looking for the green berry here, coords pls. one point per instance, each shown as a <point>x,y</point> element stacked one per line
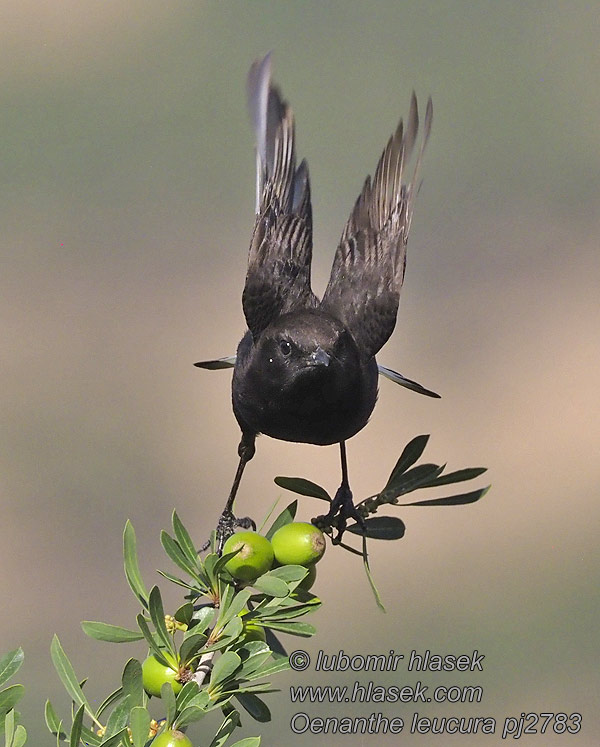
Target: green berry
<point>155,674</point>
<point>298,543</point>
<point>171,738</point>
<point>254,558</point>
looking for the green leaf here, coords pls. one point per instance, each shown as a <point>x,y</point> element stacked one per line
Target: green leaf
<point>111,633</point>
<point>190,647</point>
<point>370,576</point>
<point>303,487</point>
<point>285,517</point>
<point>271,585</point>
<point>381,527</point>
<point>177,556</point>
<point>116,740</point>
<point>248,742</point>
<point>204,618</point>
<point>453,500</point>
<point>139,722</point>
<point>255,706</point>
<point>185,613</point>
<point>132,568</point>
<point>184,539</point>
<point>157,615</point>
<point>9,727</point>
<point>52,721</point>
<point>10,663</point>
<point>118,718</point>
<point>167,695</point>
<point>234,607</point>
<point>76,728</point>
<point>155,649</point>
<point>295,628</point>
<point>187,694</point>
<point>289,573</point>
<point>412,452</point>
<point>20,736</point>
<point>179,581</point>
<point>460,475</point>
<point>9,697</point>
<point>89,737</point>
<point>280,663</point>
<point>224,668</point>
<point>411,480</point>
<point>65,671</point>
<point>132,683</point>
<point>231,722</point>
<point>114,697</point>
<point>190,715</point>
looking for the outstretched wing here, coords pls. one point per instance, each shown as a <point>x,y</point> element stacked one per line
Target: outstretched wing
<point>368,268</point>
<point>278,276</point>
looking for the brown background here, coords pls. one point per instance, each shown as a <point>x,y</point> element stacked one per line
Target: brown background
<point>127,193</point>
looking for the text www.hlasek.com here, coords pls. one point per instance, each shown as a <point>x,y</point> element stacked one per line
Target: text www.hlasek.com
<point>371,693</point>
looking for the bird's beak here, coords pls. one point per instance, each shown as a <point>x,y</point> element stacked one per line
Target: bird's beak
<point>319,357</point>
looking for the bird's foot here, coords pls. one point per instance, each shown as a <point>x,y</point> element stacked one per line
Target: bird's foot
<point>342,508</point>
<point>226,526</point>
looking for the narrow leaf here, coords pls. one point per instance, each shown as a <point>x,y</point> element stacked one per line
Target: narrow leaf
<point>303,487</point>
<point>157,615</point>
<point>132,683</point>
<point>9,697</point>
<point>255,706</point>
<point>76,728</point>
<point>453,500</point>
<point>67,675</point>
<point>118,718</point>
<point>285,517</point>
<point>231,722</point>
<point>460,475</point>
<point>20,736</point>
<point>10,664</point>
<point>110,700</point>
<point>116,740</point>
<point>412,451</point>
<point>295,628</point>
<point>248,742</point>
<point>176,554</point>
<point>411,480</point>
<point>370,576</point>
<point>167,695</point>
<point>271,585</point>
<point>139,722</point>
<point>224,668</point>
<point>152,644</point>
<point>111,633</point>
<point>185,541</point>
<point>381,527</point>
<point>52,721</point>
<point>132,568</point>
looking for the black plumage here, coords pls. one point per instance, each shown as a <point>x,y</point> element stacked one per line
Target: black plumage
<point>305,370</point>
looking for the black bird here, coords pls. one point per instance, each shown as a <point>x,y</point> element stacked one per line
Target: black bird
<point>305,370</point>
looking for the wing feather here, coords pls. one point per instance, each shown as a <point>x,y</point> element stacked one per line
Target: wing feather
<point>368,267</point>
<point>279,260</point>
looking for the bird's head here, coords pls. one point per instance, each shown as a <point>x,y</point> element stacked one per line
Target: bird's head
<point>304,349</point>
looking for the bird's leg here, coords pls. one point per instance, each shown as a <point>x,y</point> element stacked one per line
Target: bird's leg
<point>227,521</point>
<point>342,507</point>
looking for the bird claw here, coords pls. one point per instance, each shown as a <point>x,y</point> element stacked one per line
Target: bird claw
<point>227,525</point>
<point>342,509</point>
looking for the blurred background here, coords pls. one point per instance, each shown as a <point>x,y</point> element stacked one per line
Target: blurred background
<point>127,197</point>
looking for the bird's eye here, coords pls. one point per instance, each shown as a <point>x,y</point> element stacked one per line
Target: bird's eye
<point>285,347</point>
